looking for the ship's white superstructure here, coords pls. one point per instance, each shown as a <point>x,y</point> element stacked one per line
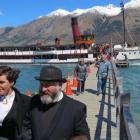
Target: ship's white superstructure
<point>128,53</point>
<point>65,55</point>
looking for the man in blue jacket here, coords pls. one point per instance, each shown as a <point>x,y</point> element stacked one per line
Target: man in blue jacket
<point>104,70</point>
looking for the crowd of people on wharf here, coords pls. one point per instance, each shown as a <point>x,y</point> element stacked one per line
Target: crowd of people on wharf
<point>104,69</point>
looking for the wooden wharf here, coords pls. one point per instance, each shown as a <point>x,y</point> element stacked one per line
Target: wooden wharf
<point>108,115</point>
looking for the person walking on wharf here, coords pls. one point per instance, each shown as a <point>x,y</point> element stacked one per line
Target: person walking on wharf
<point>104,70</point>
<point>52,114</point>
<point>13,105</point>
<point>81,73</point>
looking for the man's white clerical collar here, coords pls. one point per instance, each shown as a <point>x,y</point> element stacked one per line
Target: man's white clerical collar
<point>58,97</point>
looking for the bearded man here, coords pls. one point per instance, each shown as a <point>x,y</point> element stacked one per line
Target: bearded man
<point>53,115</point>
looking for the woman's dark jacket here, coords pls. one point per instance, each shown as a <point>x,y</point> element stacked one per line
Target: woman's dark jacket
<point>12,123</point>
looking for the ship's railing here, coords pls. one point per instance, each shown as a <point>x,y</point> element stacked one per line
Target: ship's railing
<point>124,119</point>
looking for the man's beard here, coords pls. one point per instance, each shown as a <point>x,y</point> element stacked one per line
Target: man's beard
<point>46,98</point>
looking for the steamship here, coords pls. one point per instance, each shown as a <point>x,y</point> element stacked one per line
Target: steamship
<point>45,54</point>
<point>38,53</point>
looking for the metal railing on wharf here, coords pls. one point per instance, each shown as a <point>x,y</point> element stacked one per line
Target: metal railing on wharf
<point>125,122</point>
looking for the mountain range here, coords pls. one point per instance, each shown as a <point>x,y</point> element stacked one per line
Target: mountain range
<point>105,22</point>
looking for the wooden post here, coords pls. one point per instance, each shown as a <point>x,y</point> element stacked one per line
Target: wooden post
<point>119,85</point>
<point>124,101</point>
<point>119,92</point>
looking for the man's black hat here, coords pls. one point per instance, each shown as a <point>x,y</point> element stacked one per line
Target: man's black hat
<point>51,74</point>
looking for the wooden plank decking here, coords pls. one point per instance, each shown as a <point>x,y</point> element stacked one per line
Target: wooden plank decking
<point>101,112</point>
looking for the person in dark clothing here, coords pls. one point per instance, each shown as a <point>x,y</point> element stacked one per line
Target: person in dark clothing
<point>81,74</point>
<point>53,115</point>
<point>13,105</point>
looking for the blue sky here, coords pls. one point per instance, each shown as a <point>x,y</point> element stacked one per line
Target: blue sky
<point>18,12</point>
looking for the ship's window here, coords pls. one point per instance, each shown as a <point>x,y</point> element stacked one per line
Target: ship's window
<point>129,53</point>
<point>134,52</point>
<point>122,53</point>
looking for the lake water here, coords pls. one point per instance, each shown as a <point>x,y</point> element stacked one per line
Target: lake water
<point>131,80</point>
<point>26,78</point>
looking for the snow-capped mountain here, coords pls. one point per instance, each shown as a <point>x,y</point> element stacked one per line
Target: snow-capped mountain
<point>109,10</point>
<point>104,21</point>
<point>79,11</point>
<point>59,12</point>
<point>133,4</point>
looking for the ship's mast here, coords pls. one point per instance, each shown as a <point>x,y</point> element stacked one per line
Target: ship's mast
<point>123,12</point>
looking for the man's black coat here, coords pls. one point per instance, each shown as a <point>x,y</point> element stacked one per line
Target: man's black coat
<point>66,120</point>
